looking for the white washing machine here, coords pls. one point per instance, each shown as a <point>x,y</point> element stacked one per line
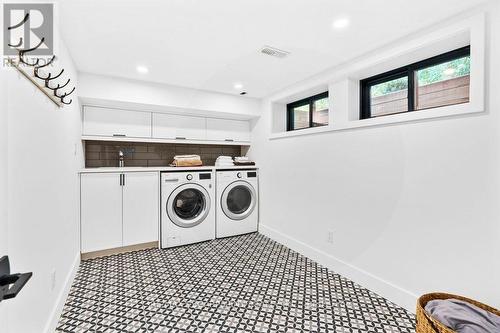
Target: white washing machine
<point>237,202</point>
<point>188,207</point>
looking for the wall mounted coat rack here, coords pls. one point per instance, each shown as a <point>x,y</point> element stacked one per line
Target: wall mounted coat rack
<point>45,83</point>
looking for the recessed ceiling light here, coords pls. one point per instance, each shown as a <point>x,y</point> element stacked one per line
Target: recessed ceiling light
<point>238,86</point>
<point>341,23</point>
<point>142,69</point>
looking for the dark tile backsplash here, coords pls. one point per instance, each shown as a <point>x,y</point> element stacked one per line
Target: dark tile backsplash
<point>105,153</point>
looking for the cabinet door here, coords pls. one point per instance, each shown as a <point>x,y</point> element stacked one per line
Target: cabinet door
<point>101,211</point>
<point>115,122</point>
<point>171,126</point>
<point>228,130</point>
<point>141,206</point>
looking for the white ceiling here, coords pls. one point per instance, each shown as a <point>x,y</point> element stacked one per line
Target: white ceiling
<point>212,44</point>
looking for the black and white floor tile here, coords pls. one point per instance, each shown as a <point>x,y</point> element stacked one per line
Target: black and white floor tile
<point>241,284</point>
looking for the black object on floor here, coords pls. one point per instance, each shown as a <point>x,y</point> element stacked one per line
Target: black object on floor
<point>248,283</point>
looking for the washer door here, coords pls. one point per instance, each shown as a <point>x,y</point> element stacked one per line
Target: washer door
<point>238,200</point>
<point>188,205</point>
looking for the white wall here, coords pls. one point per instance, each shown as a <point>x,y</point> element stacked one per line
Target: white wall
<point>44,154</point>
<point>3,185</point>
<point>414,207</point>
<point>154,96</point>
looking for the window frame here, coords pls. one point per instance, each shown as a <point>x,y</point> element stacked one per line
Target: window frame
<point>405,71</point>
<point>305,101</point>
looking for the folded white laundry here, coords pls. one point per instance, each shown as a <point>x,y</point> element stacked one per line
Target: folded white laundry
<point>224,158</point>
<point>242,159</point>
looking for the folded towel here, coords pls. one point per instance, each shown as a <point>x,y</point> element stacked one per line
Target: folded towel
<point>224,158</point>
<point>186,163</point>
<point>187,160</point>
<point>244,163</point>
<point>463,317</point>
<point>179,157</point>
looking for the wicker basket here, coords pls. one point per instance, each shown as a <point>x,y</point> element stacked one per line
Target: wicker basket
<point>427,324</point>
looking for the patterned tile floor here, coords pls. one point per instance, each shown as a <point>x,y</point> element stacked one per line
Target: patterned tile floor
<point>241,284</point>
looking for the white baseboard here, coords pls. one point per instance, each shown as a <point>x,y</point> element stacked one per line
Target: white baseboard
<point>393,293</point>
<point>51,325</point>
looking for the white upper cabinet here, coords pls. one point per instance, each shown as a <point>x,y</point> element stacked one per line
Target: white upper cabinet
<point>118,123</point>
<point>228,129</point>
<point>114,122</point>
<point>172,126</point>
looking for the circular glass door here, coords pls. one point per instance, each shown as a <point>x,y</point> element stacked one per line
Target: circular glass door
<point>188,205</point>
<point>238,200</point>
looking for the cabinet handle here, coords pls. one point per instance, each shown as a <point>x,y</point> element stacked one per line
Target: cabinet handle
<point>123,182</point>
<point>121,179</point>
<point>229,140</point>
<point>180,138</point>
<point>122,135</point>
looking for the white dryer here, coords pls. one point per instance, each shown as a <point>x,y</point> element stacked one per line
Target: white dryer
<point>237,202</point>
<point>188,207</point>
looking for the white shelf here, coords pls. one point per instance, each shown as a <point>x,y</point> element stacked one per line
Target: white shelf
<point>154,140</point>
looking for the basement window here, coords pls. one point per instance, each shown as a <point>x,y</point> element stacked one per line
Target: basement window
<point>438,81</point>
<point>308,112</point>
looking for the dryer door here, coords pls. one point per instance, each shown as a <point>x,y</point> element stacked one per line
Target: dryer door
<point>238,200</point>
<point>188,205</point>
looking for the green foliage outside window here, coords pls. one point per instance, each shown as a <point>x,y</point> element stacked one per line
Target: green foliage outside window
<point>446,71</point>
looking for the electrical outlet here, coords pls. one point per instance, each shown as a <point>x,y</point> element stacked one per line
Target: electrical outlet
<point>330,237</point>
<point>53,280</point>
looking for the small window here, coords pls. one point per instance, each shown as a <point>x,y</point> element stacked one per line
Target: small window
<point>438,81</point>
<point>308,112</point>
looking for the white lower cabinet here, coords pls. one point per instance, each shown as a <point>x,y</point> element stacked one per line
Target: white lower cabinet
<point>118,209</point>
<point>140,207</point>
<point>101,211</point>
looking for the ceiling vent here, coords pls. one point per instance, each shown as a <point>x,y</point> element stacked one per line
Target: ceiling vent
<point>274,52</point>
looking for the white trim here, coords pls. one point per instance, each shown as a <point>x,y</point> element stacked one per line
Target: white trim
<point>166,169</point>
<point>140,107</point>
<point>386,289</point>
<point>414,116</point>
<point>53,320</point>
<point>151,140</point>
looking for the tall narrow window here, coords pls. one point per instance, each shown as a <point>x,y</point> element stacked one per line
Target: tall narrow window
<point>438,81</point>
<point>308,112</point>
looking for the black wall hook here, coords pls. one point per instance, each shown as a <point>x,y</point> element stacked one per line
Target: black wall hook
<point>23,21</point>
<point>11,284</point>
<point>18,44</point>
<point>54,96</point>
<point>22,52</point>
